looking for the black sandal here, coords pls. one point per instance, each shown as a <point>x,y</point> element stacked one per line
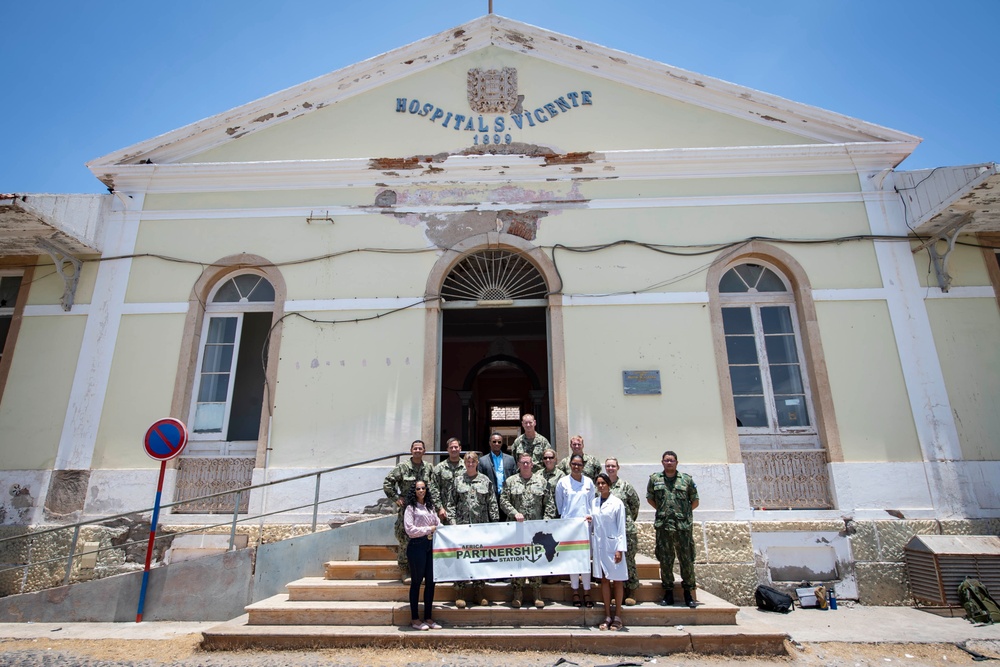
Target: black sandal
<point>587,602</point>
<point>576,598</point>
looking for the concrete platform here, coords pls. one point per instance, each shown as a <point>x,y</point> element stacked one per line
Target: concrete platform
<point>633,640</point>
<point>361,588</point>
<point>280,610</point>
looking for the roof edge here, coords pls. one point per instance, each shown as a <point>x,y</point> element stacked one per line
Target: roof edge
<point>594,59</point>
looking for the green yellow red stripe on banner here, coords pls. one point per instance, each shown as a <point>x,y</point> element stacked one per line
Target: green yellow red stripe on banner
<point>511,549</point>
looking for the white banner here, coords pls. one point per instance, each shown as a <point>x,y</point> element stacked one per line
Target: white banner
<point>511,549</point>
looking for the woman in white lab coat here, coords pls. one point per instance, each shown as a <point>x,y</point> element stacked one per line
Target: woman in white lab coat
<point>574,500</point>
<point>608,521</point>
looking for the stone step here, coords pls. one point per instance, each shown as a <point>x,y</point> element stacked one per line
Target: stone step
<point>376,552</point>
<point>636,640</point>
<point>386,568</point>
<point>319,588</point>
<point>355,569</point>
<point>279,610</point>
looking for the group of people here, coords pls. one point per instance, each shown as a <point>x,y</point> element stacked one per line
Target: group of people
<point>529,485</point>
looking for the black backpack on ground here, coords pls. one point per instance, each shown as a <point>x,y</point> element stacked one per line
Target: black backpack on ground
<point>769,599</point>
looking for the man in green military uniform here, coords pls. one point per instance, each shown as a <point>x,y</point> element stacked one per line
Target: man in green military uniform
<point>397,486</point>
<point>591,466</point>
<point>530,442</point>
<point>551,473</point>
<point>674,496</point>
<point>473,500</point>
<point>443,476</point>
<point>526,497</point>
<point>626,493</point>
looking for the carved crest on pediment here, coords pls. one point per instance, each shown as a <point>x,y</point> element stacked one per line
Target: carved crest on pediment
<point>493,90</point>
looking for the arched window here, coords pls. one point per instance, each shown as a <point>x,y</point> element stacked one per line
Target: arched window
<point>780,421</point>
<point>494,275</point>
<point>771,395</point>
<point>226,378</point>
<point>230,378</point>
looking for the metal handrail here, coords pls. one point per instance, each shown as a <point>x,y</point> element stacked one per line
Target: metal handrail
<point>236,518</point>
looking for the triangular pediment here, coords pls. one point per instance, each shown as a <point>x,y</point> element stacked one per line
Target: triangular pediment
<point>574,96</point>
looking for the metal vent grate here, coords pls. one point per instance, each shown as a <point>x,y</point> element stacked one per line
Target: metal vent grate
<point>937,564</point>
<point>494,275</point>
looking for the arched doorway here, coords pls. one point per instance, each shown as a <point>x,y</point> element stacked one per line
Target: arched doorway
<point>495,355</point>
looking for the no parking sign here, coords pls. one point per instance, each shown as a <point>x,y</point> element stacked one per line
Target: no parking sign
<point>165,439</point>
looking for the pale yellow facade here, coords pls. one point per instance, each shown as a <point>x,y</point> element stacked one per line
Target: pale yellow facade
<point>31,419</point>
<point>867,383</point>
<point>602,342</point>
<point>967,337</point>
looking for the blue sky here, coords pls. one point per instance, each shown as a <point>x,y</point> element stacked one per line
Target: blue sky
<point>84,78</point>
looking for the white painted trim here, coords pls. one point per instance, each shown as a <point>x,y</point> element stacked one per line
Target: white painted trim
<point>669,163</point>
<point>877,485</point>
<point>314,305</point>
<point>594,204</point>
<point>627,299</point>
<point>53,310</point>
<point>634,299</point>
<point>126,309</point>
<point>968,292</point>
<point>93,369</point>
<point>850,294</point>
<point>918,356</point>
<point>180,308</point>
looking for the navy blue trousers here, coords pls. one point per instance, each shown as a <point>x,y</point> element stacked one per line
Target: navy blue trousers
<point>419,552</point>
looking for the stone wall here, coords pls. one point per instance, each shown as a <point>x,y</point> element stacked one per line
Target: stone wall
<point>726,563</point>
<point>121,544</point>
<point>727,566</point>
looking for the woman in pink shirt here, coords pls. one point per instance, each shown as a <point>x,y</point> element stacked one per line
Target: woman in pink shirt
<point>420,521</point>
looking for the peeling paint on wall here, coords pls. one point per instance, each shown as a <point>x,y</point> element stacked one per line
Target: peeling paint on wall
<point>20,506</point>
<point>473,196</point>
<point>412,162</point>
<point>67,492</point>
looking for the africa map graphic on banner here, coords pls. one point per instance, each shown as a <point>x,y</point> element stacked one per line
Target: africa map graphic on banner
<point>511,549</point>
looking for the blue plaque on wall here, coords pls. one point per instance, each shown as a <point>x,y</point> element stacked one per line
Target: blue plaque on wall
<point>637,383</point>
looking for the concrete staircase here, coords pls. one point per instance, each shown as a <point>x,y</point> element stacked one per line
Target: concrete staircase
<point>363,603</point>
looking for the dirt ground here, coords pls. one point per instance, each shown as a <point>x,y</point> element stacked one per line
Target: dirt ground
<point>185,652</point>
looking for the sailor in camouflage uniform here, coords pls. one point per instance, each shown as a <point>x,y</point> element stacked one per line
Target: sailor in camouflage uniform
<point>531,442</point>
<point>591,466</point>
<point>626,493</point>
<point>674,496</point>
<point>551,473</point>
<point>397,486</point>
<point>526,497</point>
<point>443,476</point>
<point>473,500</point>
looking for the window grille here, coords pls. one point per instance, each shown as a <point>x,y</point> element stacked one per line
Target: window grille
<point>494,275</point>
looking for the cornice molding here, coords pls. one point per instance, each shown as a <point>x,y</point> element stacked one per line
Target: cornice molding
<point>798,160</point>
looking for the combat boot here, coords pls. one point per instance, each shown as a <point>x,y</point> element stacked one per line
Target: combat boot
<point>539,602</point>
<point>688,600</point>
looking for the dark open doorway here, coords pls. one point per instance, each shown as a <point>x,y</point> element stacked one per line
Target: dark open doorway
<point>494,369</point>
